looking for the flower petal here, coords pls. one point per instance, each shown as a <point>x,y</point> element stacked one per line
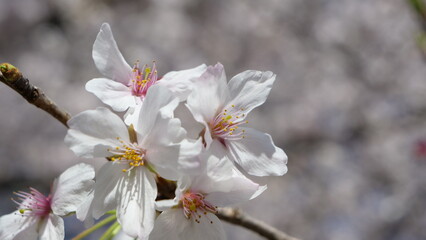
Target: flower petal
<point>208,228</point>
<point>181,82</point>
<point>172,224</point>
<point>106,187</point>
<point>52,228</point>
<point>209,94</point>
<point>14,224</point>
<point>92,132</point>
<point>108,58</point>
<point>136,202</point>
<point>248,90</point>
<point>257,154</point>
<point>159,101</point>
<point>71,188</point>
<point>114,94</point>
<point>223,183</point>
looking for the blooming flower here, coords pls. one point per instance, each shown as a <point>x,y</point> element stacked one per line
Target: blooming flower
<point>125,87</point>
<point>38,216</point>
<point>222,109</point>
<point>127,182</point>
<point>191,215</point>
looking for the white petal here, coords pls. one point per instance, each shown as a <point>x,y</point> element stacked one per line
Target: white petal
<point>189,162</point>
<point>248,90</point>
<point>172,224</point>
<point>14,224</point>
<point>209,228</point>
<point>169,225</point>
<point>136,202</point>
<point>181,82</point>
<point>159,101</point>
<point>108,58</point>
<point>209,94</point>
<point>84,211</point>
<point>223,183</point>
<point>92,132</point>
<point>164,205</point>
<point>165,131</point>
<point>257,154</point>
<point>165,160</point>
<point>132,114</point>
<point>107,180</point>
<point>122,236</point>
<point>114,94</point>
<point>71,188</point>
<point>52,228</point>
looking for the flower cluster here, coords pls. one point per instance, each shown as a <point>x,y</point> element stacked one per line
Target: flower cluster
<point>149,145</point>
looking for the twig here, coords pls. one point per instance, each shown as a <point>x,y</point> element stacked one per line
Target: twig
<point>12,77</point>
<point>236,217</point>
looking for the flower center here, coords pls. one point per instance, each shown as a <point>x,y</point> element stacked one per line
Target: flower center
<point>33,203</point>
<point>142,79</point>
<point>225,124</point>
<point>194,204</point>
<point>128,153</point>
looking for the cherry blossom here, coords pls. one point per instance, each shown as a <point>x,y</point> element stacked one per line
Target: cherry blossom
<point>191,215</point>
<point>125,87</point>
<point>223,107</point>
<point>38,216</point>
<point>156,144</point>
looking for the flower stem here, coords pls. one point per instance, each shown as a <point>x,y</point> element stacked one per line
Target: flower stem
<point>95,227</point>
<point>111,232</point>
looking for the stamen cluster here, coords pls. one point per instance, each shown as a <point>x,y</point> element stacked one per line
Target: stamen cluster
<point>193,203</point>
<point>33,203</point>
<point>142,79</point>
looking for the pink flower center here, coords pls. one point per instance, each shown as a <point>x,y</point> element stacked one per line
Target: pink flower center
<point>225,125</point>
<point>142,79</point>
<point>194,204</point>
<point>33,203</point>
<point>128,153</point>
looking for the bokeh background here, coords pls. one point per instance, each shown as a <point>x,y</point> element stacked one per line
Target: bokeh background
<point>348,106</point>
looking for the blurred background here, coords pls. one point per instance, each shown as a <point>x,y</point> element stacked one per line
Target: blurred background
<point>348,105</point>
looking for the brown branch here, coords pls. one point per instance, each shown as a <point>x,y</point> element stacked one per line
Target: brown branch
<point>12,77</point>
<point>236,217</point>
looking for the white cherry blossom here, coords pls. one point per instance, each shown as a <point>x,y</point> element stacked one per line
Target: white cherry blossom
<point>127,182</point>
<point>223,107</point>
<point>125,87</point>
<point>191,215</point>
<point>38,216</point>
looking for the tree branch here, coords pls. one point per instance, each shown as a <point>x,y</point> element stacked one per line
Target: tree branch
<point>12,77</point>
<point>236,217</point>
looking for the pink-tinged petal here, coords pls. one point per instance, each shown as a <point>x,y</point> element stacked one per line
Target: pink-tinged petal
<point>181,82</point>
<point>108,178</point>
<point>257,154</point>
<point>92,132</point>
<point>108,58</point>
<point>136,202</point>
<point>52,228</point>
<point>71,188</point>
<point>248,90</point>
<point>114,94</point>
<point>159,101</point>
<point>209,94</point>
<point>14,225</point>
